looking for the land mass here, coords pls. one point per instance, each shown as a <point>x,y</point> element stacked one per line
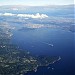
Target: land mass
<point>15,61</point>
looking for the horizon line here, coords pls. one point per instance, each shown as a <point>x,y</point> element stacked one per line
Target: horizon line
<point>36,5</point>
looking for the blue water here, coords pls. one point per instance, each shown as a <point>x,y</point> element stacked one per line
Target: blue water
<point>35,42</point>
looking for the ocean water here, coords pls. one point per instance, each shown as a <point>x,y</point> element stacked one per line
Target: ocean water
<point>37,42</point>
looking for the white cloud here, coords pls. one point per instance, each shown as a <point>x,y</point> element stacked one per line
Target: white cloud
<point>8,14</point>
<point>33,16</point>
<point>37,15</point>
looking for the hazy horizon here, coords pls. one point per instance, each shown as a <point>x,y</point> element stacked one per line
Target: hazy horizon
<point>37,5</point>
<point>35,2</point>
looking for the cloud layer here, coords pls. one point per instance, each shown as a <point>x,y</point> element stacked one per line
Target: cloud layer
<point>37,15</point>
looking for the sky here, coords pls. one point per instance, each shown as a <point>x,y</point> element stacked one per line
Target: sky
<point>36,2</point>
